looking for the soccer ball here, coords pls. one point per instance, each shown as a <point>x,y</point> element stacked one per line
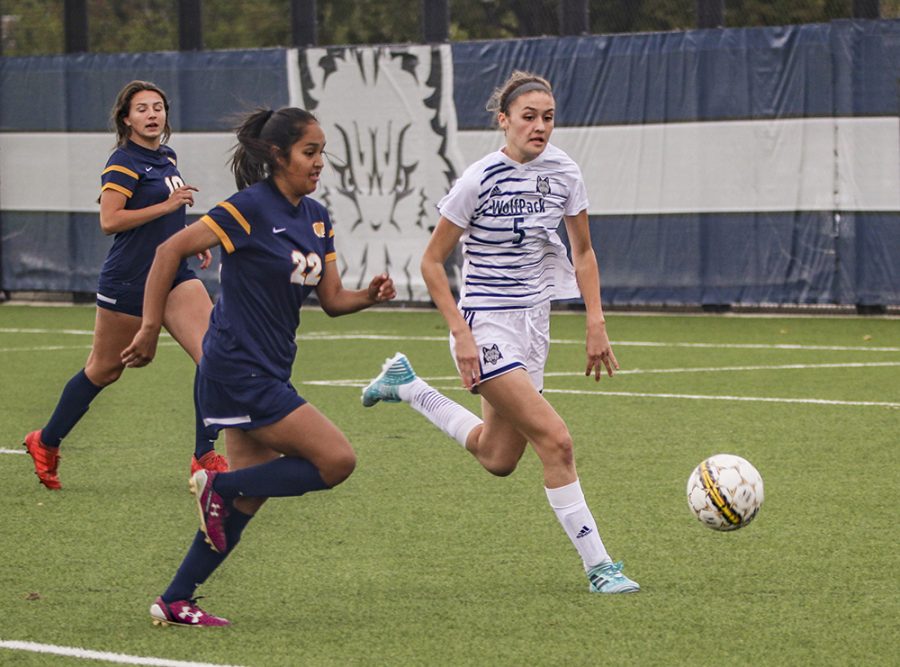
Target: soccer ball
<point>725,492</point>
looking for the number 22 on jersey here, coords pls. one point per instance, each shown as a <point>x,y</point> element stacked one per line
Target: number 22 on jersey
<point>307,268</point>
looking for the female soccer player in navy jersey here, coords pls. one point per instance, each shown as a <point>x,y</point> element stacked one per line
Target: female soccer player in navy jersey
<point>278,247</point>
<point>505,209</point>
<point>142,202</point>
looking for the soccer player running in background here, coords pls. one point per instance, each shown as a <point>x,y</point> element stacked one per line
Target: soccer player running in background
<point>279,246</point>
<point>142,202</point>
<point>505,209</point>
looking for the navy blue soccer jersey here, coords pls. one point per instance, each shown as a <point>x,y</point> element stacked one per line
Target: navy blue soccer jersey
<point>146,177</point>
<point>275,255</point>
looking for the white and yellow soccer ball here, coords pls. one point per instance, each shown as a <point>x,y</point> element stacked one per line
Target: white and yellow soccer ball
<point>725,492</point>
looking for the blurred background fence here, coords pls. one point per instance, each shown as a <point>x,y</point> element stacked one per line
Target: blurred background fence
<point>752,164</point>
<point>35,27</point>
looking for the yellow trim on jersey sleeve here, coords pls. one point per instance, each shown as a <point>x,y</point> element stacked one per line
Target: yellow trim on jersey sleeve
<point>331,233</point>
<point>331,257</point>
<point>119,168</point>
<point>118,188</point>
<point>236,214</point>
<point>218,231</point>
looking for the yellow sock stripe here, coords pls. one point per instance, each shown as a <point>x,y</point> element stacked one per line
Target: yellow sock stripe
<point>709,485</point>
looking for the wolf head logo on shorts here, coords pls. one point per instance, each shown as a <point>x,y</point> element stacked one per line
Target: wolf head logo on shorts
<point>390,120</point>
<point>491,355</point>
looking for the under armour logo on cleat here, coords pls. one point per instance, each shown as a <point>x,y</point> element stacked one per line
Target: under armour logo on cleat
<point>584,532</point>
<point>186,612</point>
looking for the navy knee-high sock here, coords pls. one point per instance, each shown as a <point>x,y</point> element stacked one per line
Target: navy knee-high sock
<point>201,561</point>
<point>204,436</point>
<point>286,476</point>
<point>74,401</point>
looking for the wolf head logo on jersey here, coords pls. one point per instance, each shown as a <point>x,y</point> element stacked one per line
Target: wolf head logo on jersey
<point>491,355</point>
<point>390,125</point>
<point>543,185</point>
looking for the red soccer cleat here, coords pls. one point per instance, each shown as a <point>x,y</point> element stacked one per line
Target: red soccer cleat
<point>212,461</point>
<point>184,613</point>
<point>46,460</point>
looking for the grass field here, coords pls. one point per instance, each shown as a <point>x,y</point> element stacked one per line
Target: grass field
<point>422,558</point>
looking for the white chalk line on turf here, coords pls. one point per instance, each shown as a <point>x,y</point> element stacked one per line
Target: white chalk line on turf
<point>600,392</point>
<point>56,348</point>
<point>737,369</point>
<point>68,332</point>
<point>326,336</point>
<point>701,397</point>
<point>654,371</point>
<point>13,451</point>
<point>624,343</point>
<point>117,658</point>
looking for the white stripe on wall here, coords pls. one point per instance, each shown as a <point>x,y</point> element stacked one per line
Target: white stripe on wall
<point>56,171</point>
<point>740,166</point>
<point>814,164</point>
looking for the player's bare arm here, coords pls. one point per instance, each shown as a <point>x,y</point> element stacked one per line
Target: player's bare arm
<point>444,239</point>
<point>598,349</point>
<point>115,218</point>
<point>336,300</point>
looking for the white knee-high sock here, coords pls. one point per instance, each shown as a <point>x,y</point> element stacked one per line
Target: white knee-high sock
<point>449,416</point>
<point>576,519</point>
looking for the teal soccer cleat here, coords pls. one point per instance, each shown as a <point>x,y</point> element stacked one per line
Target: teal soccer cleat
<point>396,371</point>
<point>608,578</point>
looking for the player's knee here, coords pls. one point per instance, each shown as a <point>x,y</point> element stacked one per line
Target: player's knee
<point>558,450</point>
<point>103,377</point>
<point>501,468</point>
<point>339,467</point>
<point>501,465</point>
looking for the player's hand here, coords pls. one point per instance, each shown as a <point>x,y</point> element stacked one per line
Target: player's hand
<point>599,353</point>
<point>181,196</point>
<point>142,349</point>
<point>205,258</point>
<point>467,359</point>
<point>381,288</point>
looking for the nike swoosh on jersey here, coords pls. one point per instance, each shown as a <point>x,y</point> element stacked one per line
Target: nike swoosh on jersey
<point>278,230</point>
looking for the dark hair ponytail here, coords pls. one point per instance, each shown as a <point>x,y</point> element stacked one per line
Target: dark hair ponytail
<point>264,136</point>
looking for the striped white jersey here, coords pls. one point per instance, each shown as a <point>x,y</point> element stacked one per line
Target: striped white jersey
<point>512,254</point>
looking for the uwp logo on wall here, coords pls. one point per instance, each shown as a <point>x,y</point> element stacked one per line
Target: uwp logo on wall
<point>391,140</point>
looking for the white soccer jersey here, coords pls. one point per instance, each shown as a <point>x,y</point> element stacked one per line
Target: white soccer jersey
<point>512,254</point>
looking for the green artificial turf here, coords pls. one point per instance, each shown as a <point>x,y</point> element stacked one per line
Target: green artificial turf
<point>423,558</point>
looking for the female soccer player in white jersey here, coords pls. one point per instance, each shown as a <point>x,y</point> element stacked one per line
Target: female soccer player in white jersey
<point>142,202</point>
<point>505,209</point>
<point>278,247</point>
